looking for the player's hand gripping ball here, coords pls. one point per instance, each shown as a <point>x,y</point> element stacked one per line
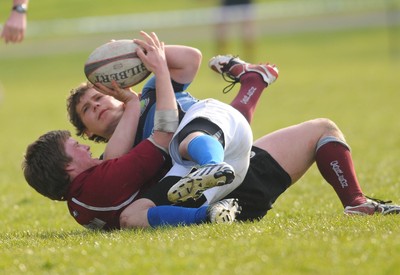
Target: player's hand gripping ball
<point>116,60</point>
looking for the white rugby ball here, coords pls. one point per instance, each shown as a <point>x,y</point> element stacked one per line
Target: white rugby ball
<point>116,60</point>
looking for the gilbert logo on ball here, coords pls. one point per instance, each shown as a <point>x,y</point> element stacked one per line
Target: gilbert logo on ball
<point>116,60</point>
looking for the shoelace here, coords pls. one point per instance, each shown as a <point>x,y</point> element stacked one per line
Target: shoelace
<point>228,78</point>
<point>378,200</point>
<point>231,82</point>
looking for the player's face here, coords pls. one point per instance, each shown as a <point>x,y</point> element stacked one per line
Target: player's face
<point>80,154</point>
<point>99,113</point>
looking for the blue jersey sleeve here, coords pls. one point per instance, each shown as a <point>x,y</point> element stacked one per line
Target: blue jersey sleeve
<point>148,106</point>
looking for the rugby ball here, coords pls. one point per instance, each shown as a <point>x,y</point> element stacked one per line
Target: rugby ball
<point>116,60</point>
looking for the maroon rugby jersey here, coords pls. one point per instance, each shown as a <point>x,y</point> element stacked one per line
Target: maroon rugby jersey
<point>97,196</point>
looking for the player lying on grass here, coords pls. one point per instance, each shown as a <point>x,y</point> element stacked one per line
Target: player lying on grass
<point>90,185</point>
<point>293,152</point>
<point>266,179</point>
<point>86,107</point>
<point>62,169</point>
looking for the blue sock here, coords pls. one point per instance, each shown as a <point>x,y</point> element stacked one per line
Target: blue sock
<point>205,149</point>
<point>175,215</point>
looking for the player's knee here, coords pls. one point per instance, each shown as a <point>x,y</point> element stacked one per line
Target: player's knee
<point>329,128</point>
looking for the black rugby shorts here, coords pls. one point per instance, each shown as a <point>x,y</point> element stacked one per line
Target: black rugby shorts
<point>265,181</point>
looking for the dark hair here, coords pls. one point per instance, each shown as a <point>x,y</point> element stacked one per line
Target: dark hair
<point>72,101</point>
<point>44,165</point>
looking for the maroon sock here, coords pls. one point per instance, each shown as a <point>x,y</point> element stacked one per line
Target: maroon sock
<point>251,87</point>
<point>336,166</point>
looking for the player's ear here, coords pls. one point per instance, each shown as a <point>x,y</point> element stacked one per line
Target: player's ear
<point>69,167</point>
<point>72,170</point>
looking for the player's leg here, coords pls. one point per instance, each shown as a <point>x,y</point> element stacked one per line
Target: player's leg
<point>297,147</point>
<point>294,147</point>
<point>253,80</point>
<point>208,152</point>
<point>201,142</point>
<point>143,213</point>
<point>217,138</point>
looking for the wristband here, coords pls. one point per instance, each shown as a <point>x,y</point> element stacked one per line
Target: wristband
<point>22,8</point>
<point>166,120</point>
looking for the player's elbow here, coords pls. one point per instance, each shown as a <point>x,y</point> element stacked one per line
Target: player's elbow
<point>128,222</point>
<point>135,215</point>
<point>162,139</point>
<point>196,58</point>
<point>124,222</point>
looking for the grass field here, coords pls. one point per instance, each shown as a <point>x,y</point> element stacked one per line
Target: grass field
<point>350,76</point>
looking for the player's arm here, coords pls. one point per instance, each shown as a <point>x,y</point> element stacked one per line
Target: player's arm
<point>135,215</point>
<point>183,62</point>
<point>152,53</point>
<point>15,26</point>
<point>124,135</point>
